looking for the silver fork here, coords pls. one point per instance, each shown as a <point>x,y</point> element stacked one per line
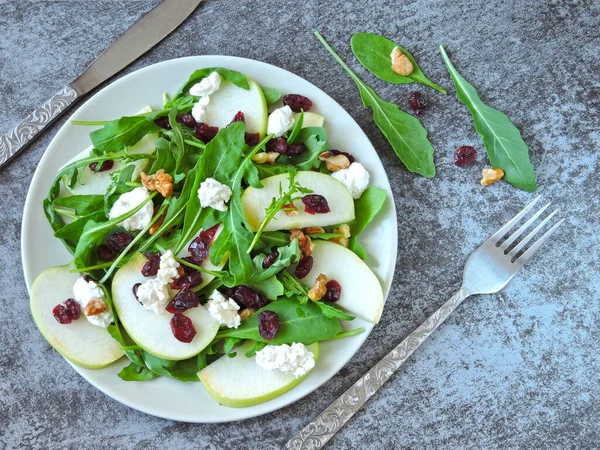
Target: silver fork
<point>487,270</point>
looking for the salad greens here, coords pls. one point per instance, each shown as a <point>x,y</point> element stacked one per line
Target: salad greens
<point>373,52</point>
<point>403,131</point>
<point>502,140</point>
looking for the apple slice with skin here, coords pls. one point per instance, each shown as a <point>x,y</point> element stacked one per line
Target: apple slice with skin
<point>80,342</point>
<point>229,99</point>
<point>255,202</point>
<point>310,119</point>
<point>361,290</point>
<point>153,332</point>
<point>239,382</point>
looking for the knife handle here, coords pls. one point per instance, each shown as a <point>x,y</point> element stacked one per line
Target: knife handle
<point>20,136</point>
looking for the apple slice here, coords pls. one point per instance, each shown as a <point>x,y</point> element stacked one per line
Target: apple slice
<point>153,332</point>
<point>310,119</point>
<point>80,342</point>
<point>255,202</point>
<point>361,290</point>
<point>240,382</point>
<point>229,99</point>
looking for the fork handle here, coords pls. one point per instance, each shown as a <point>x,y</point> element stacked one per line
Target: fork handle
<point>318,432</point>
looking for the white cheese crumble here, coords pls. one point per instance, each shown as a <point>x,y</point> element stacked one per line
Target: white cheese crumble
<point>280,121</point>
<point>207,86</point>
<point>84,291</point>
<point>129,200</point>
<point>200,110</point>
<point>214,194</point>
<point>154,293</point>
<point>225,310</point>
<point>355,178</point>
<point>168,268</point>
<point>295,359</point>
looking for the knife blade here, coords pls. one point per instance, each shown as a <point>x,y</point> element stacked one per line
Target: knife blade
<point>153,27</point>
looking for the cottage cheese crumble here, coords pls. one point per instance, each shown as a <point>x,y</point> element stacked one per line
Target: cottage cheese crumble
<point>295,359</point>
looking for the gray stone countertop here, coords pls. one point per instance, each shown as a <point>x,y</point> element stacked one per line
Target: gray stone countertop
<point>519,369</point>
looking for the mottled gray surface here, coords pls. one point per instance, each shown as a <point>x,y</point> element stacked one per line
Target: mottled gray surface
<point>518,369</point>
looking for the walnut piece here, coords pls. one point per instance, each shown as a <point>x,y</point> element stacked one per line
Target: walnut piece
<point>344,230</point>
<point>265,157</point>
<point>160,181</point>
<point>304,242</point>
<point>314,230</point>
<point>246,313</point>
<point>290,210</point>
<point>156,225</point>
<point>95,306</point>
<point>400,63</point>
<point>319,289</point>
<point>334,162</point>
<point>490,176</point>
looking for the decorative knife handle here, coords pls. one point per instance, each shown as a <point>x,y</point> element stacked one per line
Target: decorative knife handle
<point>15,140</point>
<point>317,433</point>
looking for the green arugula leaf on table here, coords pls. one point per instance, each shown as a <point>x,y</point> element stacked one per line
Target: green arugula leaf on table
<point>271,95</point>
<point>366,207</point>
<point>503,143</point>
<point>237,78</point>
<point>373,51</point>
<point>403,131</point>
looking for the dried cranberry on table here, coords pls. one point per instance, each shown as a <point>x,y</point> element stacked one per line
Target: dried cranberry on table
<point>119,241</point>
<point>417,102</point>
<point>315,203</point>
<point>239,117</point>
<point>187,119</point>
<point>297,102</point>
<point>244,296</point>
<point>252,139</point>
<point>205,132</point>
<point>106,165</point>
<point>334,290</point>
<point>183,300</point>
<point>270,259</point>
<point>278,145</point>
<point>163,122</point>
<point>465,155</point>
<point>268,325</point>
<point>182,328</point>
<point>152,265</point>
<point>304,267</point>
<point>106,252</point>
<point>188,280</point>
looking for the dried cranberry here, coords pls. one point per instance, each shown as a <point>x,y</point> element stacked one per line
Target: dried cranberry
<point>106,165</point>
<point>251,139</point>
<point>268,324</point>
<point>200,247</point>
<point>297,102</point>
<point>61,314</point>
<point>417,102</point>
<point>270,259</point>
<point>464,155</point>
<point>304,267</point>
<point>163,122</point>
<point>106,252</point>
<point>134,289</point>
<point>205,132</point>
<point>188,280</point>
<point>184,300</point>
<point>278,145</point>
<point>239,117</point>
<point>315,203</point>
<point>334,290</point>
<point>182,328</point>
<point>295,149</point>
<point>187,119</point>
<point>209,233</point>
<point>244,296</point>
<point>119,241</point>
<point>347,155</point>
<point>73,308</point>
<point>152,265</point>
<point>87,277</point>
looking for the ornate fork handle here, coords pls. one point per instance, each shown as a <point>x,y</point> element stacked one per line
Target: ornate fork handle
<point>16,139</point>
<point>317,433</point>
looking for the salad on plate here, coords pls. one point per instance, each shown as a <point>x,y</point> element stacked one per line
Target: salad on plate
<point>213,239</point>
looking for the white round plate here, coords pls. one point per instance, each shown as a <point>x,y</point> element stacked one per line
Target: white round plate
<point>166,397</point>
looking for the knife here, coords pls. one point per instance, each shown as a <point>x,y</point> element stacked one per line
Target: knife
<point>137,40</point>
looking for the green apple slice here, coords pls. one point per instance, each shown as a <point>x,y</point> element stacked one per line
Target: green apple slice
<point>310,119</point>
<point>361,290</point>
<point>153,332</point>
<point>239,382</point>
<point>256,201</point>
<point>80,342</point>
<point>229,99</point>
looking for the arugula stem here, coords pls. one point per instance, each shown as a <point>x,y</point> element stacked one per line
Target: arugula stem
<point>348,333</point>
<point>132,347</point>
<point>95,267</point>
<point>89,122</point>
<point>66,212</point>
<point>194,143</point>
<point>217,274</point>
<point>133,184</point>
<point>338,59</point>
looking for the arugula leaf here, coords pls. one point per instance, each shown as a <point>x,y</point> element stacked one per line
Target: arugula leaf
<point>272,239</point>
<point>184,370</point>
<point>366,207</point>
<point>373,52</point>
<point>332,312</point>
<point>288,255</point>
<point>503,143</point>
<point>70,234</point>
<point>316,141</point>
<point>237,78</point>
<point>268,170</point>
<point>403,131</point>
<point>133,372</point>
<point>257,346</point>
<point>121,133</point>
<point>81,204</point>
<point>325,236</point>
<point>270,287</point>
<point>298,323</point>
<point>296,129</point>
<point>271,95</point>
